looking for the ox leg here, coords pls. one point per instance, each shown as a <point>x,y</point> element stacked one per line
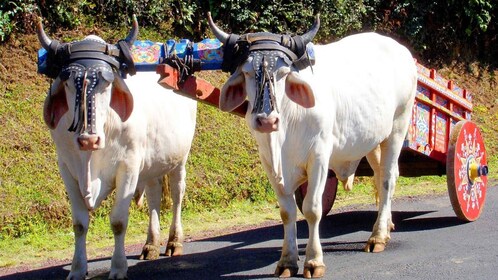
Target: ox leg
<point>126,182</point>
<point>386,183</point>
<point>79,266</point>
<point>177,184</point>
<point>312,210</point>
<point>287,265</point>
<point>373,159</point>
<point>152,248</point>
<point>81,219</point>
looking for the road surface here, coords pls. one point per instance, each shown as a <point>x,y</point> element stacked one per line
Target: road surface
<point>429,243</point>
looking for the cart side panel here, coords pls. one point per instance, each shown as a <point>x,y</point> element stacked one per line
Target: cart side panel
<point>418,133</point>
<point>422,119</point>
<point>439,105</point>
<point>441,128</point>
<point>439,79</point>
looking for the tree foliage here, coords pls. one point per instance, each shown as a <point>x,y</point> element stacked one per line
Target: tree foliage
<point>443,30</point>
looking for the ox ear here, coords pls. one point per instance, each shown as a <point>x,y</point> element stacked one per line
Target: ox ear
<point>121,98</point>
<point>233,92</point>
<point>55,104</point>
<point>299,90</point>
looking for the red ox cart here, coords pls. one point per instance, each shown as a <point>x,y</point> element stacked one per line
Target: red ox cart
<point>441,138</point>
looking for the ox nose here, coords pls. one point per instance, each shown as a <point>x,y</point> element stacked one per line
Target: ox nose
<point>88,142</point>
<point>267,124</point>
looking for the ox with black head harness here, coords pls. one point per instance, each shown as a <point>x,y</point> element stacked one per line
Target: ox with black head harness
<point>264,69</point>
<point>92,65</point>
<point>265,49</point>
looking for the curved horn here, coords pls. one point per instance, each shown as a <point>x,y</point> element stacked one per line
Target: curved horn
<point>220,34</point>
<point>132,36</point>
<point>308,36</point>
<point>45,41</point>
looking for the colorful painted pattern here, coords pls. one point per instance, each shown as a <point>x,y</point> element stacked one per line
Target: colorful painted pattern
<point>441,133</point>
<point>440,80</point>
<point>424,91</point>
<point>146,52</point>
<point>430,127</point>
<point>469,149</point>
<point>422,128</point>
<point>423,70</point>
<point>210,50</point>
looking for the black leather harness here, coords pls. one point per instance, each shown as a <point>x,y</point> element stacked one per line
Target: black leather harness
<point>91,64</point>
<point>61,54</point>
<point>265,50</point>
<point>90,77</point>
<point>238,47</point>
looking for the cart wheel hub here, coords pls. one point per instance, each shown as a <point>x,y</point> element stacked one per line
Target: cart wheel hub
<point>476,170</point>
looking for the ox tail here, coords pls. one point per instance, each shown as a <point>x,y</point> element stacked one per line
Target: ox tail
<point>376,194</point>
<point>168,201</point>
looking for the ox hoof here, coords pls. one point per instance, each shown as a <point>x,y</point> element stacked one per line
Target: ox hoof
<point>74,276</point>
<point>286,272</point>
<point>375,245</point>
<point>150,252</point>
<point>117,276</point>
<point>174,249</point>
<point>316,271</point>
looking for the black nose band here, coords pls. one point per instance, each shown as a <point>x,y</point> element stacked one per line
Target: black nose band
<point>90,77</point>
<point>264,65</point>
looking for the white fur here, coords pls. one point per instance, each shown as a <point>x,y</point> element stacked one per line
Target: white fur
<point>363,88</point>
<point>153,142</point>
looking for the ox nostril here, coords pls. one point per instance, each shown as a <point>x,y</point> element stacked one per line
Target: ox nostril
<point>258,122</point>
<point>266,124</point>
<point>88,142</point>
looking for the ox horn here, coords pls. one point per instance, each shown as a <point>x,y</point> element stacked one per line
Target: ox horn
<point>132,36</point>
<point>308,36</point>
<point>220,34</point>
<point>45,41</point>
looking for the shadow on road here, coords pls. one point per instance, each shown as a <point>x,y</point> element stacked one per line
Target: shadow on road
<point>243,252</point>
<point>349,222</point>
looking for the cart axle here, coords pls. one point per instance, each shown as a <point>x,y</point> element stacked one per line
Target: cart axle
<point>476,170</point>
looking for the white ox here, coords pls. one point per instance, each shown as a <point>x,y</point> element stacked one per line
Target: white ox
<point>139,134</point>
<point>356,101</point>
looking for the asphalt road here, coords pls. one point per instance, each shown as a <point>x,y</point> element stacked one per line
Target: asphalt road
<point>429,243</point>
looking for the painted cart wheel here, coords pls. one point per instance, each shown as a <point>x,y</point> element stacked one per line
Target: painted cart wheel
<point>466,170</point>
<point>329,194</point>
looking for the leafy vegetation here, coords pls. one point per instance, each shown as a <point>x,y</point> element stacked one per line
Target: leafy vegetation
<point>226,184</point>
<point>438,31</point>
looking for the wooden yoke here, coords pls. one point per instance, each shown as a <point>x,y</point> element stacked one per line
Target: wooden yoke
<point>194,87</point>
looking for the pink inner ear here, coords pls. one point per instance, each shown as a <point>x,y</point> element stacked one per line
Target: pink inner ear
<point>300,93</point>
<point>55,107</point>
<point>232,97</point>
<point>121,102</point>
